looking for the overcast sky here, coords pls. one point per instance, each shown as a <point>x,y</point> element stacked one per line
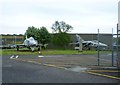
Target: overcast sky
<point>85,16</point>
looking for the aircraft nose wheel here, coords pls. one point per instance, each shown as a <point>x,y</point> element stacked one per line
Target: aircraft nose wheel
<point>17,48</point>
<point>39,49</point>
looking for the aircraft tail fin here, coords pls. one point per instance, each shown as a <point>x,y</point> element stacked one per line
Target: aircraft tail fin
<point>78,37</point>
<point>81,38</point>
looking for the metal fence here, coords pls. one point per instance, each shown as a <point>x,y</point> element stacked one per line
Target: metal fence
<point>106,57</point>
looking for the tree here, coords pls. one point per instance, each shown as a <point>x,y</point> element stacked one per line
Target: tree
<point>44,35</point>
<point>61,38</point>
<point>41,35</point>
<point>61,27</point>
<point>32,32</point>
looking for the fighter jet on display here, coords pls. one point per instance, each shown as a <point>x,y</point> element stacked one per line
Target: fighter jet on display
<point>88,44</point>
<point>30,43</point>
<point>95,44</point>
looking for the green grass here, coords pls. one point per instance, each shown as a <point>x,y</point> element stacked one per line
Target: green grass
<point>14,52</point>
<point>53,52</point>
<point>46,52</point>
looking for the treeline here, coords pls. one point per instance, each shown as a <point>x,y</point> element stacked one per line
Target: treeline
<point>60,38</point>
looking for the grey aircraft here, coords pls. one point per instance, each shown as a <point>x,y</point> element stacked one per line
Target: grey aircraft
<point>89,44</point>
<point>30,43</point>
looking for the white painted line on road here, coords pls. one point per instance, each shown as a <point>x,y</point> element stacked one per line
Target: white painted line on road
<point>40,56</point>
<point>11,56</point>
<point>14,56</point>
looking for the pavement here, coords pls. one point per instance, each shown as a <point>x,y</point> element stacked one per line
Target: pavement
<point>52,69</point>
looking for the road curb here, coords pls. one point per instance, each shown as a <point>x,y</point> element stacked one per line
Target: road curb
<point>104,75</point>
<point>104,71</point>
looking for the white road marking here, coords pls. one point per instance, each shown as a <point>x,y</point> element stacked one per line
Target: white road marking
<point>14,56</point>
<point>40,56</point>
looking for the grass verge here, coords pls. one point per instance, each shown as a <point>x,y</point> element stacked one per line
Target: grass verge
<point>45,52</point>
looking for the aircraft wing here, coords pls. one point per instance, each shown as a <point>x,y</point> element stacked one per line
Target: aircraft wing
<point>73,43</point>
<point>86,43</point>
<point>20,45</point>
<point>42,45</point>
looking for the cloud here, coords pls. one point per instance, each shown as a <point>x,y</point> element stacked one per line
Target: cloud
<point>83,15</point>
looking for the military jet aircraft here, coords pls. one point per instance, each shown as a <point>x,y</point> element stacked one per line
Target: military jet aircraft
<point>95,44</point>
<point>89,44</point>
<point>30,43</point>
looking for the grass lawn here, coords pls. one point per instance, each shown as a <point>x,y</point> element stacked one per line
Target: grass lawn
<point>45,52</point>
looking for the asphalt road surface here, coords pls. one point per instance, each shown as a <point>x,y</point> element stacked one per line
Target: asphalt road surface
<point>14,71</point>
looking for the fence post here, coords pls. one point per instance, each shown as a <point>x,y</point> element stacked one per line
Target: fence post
<point>98,49</point>
<point>112,50</point>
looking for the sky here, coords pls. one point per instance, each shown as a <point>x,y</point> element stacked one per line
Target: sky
<point>85,16</point>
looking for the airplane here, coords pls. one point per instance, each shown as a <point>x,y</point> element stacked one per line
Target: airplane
<point>95,44</point>
<point>89,44</point>
<point>30,43</point>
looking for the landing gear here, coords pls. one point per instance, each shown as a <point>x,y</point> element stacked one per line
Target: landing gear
<point>39,48</point>
<point>17,48</point>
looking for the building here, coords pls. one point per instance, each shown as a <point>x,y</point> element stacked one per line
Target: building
<point>104,38</point>
<point>11,39</point>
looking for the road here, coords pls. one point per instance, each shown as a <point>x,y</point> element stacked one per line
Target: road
<point>14,71</point>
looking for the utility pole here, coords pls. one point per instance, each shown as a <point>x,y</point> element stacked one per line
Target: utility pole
<point>98,48</point>
<point>118,37</point>
<point>117,45</point>
<point>112,49</point>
